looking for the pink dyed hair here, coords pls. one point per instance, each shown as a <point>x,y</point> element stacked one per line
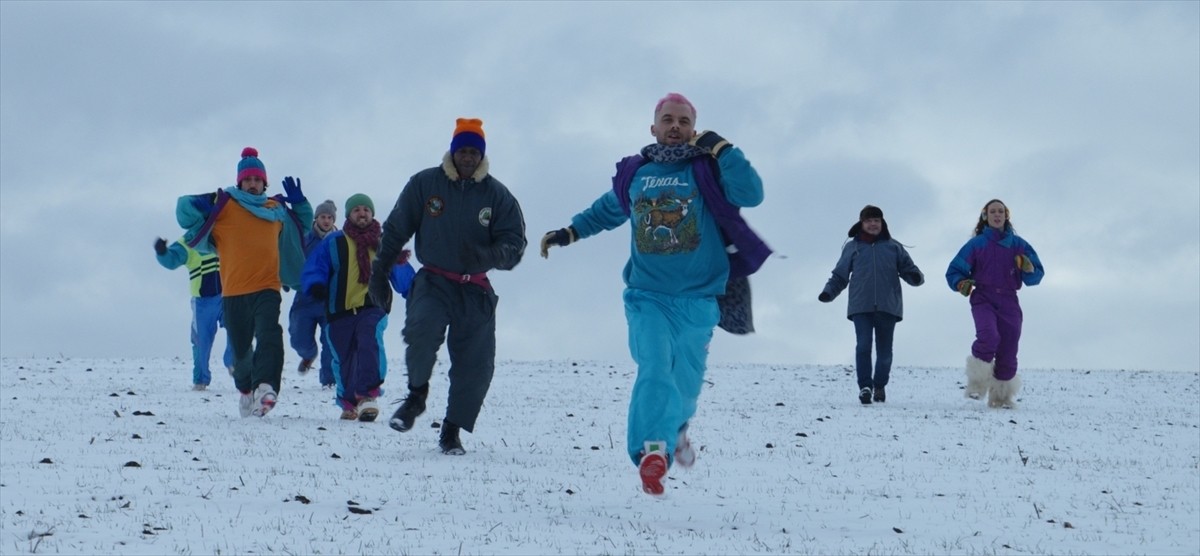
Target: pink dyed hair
<point>674,97</point>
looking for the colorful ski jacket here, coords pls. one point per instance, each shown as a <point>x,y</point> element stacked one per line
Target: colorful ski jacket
<point>206,216</point>
<point>676,245</point>
<point>455,219</point>
<point>990,259</point>
<point>873,271</point>
<point>334,264</point>
<point>204,271</point>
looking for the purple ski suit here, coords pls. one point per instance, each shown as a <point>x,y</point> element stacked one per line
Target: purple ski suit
<point>990,259</point>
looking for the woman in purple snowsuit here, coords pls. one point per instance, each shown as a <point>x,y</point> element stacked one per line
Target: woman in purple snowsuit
<point>990,268</point>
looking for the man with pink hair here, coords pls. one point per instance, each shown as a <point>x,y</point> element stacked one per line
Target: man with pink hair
<point>681,196</point>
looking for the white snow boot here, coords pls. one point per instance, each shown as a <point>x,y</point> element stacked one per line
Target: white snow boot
<point>979,377</point>
<point>1003,393</point>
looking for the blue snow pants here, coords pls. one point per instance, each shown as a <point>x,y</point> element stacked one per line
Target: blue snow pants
<point>306,322</point>
<point>359,359</point>
<point>206,319</point>
<point>668,338</point>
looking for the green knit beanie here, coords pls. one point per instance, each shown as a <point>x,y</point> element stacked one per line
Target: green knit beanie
<point>359,199</point>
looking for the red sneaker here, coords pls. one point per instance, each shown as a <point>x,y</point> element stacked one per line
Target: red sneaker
<point>653,468</point>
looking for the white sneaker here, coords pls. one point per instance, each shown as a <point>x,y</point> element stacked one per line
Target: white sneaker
<point>685,455</point>
<point>264,400</point>
<point>199,387</point>
<point>245,404</point>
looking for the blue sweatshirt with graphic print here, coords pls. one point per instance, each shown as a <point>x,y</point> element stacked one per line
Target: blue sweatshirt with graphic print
<point>675,245</point>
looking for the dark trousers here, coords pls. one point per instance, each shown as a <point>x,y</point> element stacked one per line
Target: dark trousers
<point>359,360</point>
<point>882,326</point>
<point>434,305</point>
<point>252,321</point>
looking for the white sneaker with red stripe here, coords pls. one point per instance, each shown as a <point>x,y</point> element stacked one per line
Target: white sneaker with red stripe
<point>653,467</point>
<point>264,400</point>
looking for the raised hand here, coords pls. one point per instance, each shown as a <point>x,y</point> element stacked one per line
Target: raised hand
<point>711,142</point>
<point>294,195</point>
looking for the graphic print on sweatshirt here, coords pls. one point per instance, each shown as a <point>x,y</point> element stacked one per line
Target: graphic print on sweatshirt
<point>664,216</point>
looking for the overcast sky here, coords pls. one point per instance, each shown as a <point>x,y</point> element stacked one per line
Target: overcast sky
<point>1083,117</point>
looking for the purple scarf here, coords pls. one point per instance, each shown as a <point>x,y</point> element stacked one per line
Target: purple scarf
<point>365,240</point>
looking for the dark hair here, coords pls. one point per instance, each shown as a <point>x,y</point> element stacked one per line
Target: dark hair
<point>856,229</point>
<point>982,222</point>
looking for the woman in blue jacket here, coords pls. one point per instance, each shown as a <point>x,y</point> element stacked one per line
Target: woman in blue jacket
<point>872,264</point>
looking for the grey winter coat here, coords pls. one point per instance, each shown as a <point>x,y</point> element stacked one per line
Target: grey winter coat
<point>873,272</point>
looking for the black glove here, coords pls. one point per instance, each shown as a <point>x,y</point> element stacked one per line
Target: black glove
<point>319,291</point>
<point>824,297</point>
<point>561,237</point>
<point>379,289</point>
<point>711,142</point>
<point>160,246</point>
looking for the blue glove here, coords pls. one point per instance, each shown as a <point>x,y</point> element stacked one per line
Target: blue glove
<point>292,187</point>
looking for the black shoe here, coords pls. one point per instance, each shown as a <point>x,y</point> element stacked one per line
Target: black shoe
<point>864,396</point>
<point>413,406</point>
<point>449,442</point>
<point>880,395</point>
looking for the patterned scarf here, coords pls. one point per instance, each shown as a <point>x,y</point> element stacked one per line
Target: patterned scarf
<point>365,239</point>
<point>667,154</point>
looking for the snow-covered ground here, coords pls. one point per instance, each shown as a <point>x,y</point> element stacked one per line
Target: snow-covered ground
<point>120,456</point>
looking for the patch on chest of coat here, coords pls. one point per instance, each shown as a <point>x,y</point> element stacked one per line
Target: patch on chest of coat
<point>485,216</point>
<point>435,206</point>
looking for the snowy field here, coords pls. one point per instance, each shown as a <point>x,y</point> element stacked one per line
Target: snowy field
<point>121,457</point>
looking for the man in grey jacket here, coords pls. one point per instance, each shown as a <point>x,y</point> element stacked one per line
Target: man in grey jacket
<point>466,223</point>
<point>872,264</point>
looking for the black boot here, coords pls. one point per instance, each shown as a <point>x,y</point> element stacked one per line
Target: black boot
<point>449,442</point>
<point>864,396</point>
<point>413,406</point>
<point>880,395</point>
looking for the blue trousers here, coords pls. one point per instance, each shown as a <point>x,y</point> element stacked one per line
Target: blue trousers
<point>306,321</point>
<point>668,338</point>
<point>359,360</point>
<point>206,319</point>
<point>883,327</point>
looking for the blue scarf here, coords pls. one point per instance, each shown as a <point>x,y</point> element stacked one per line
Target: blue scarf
<point>257,204</point>
<point>667,154</point>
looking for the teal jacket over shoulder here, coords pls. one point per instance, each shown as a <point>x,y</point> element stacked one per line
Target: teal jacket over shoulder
<point>197,213</point>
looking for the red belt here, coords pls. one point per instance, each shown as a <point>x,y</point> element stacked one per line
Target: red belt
<point>480,279</point>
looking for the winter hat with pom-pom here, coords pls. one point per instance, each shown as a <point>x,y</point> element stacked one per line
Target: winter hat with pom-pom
<point>327,207</point>
<point>250,165</point>
<point>468,132</point>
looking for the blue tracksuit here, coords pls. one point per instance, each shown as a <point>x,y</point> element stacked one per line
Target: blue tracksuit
<point>677,266</point>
